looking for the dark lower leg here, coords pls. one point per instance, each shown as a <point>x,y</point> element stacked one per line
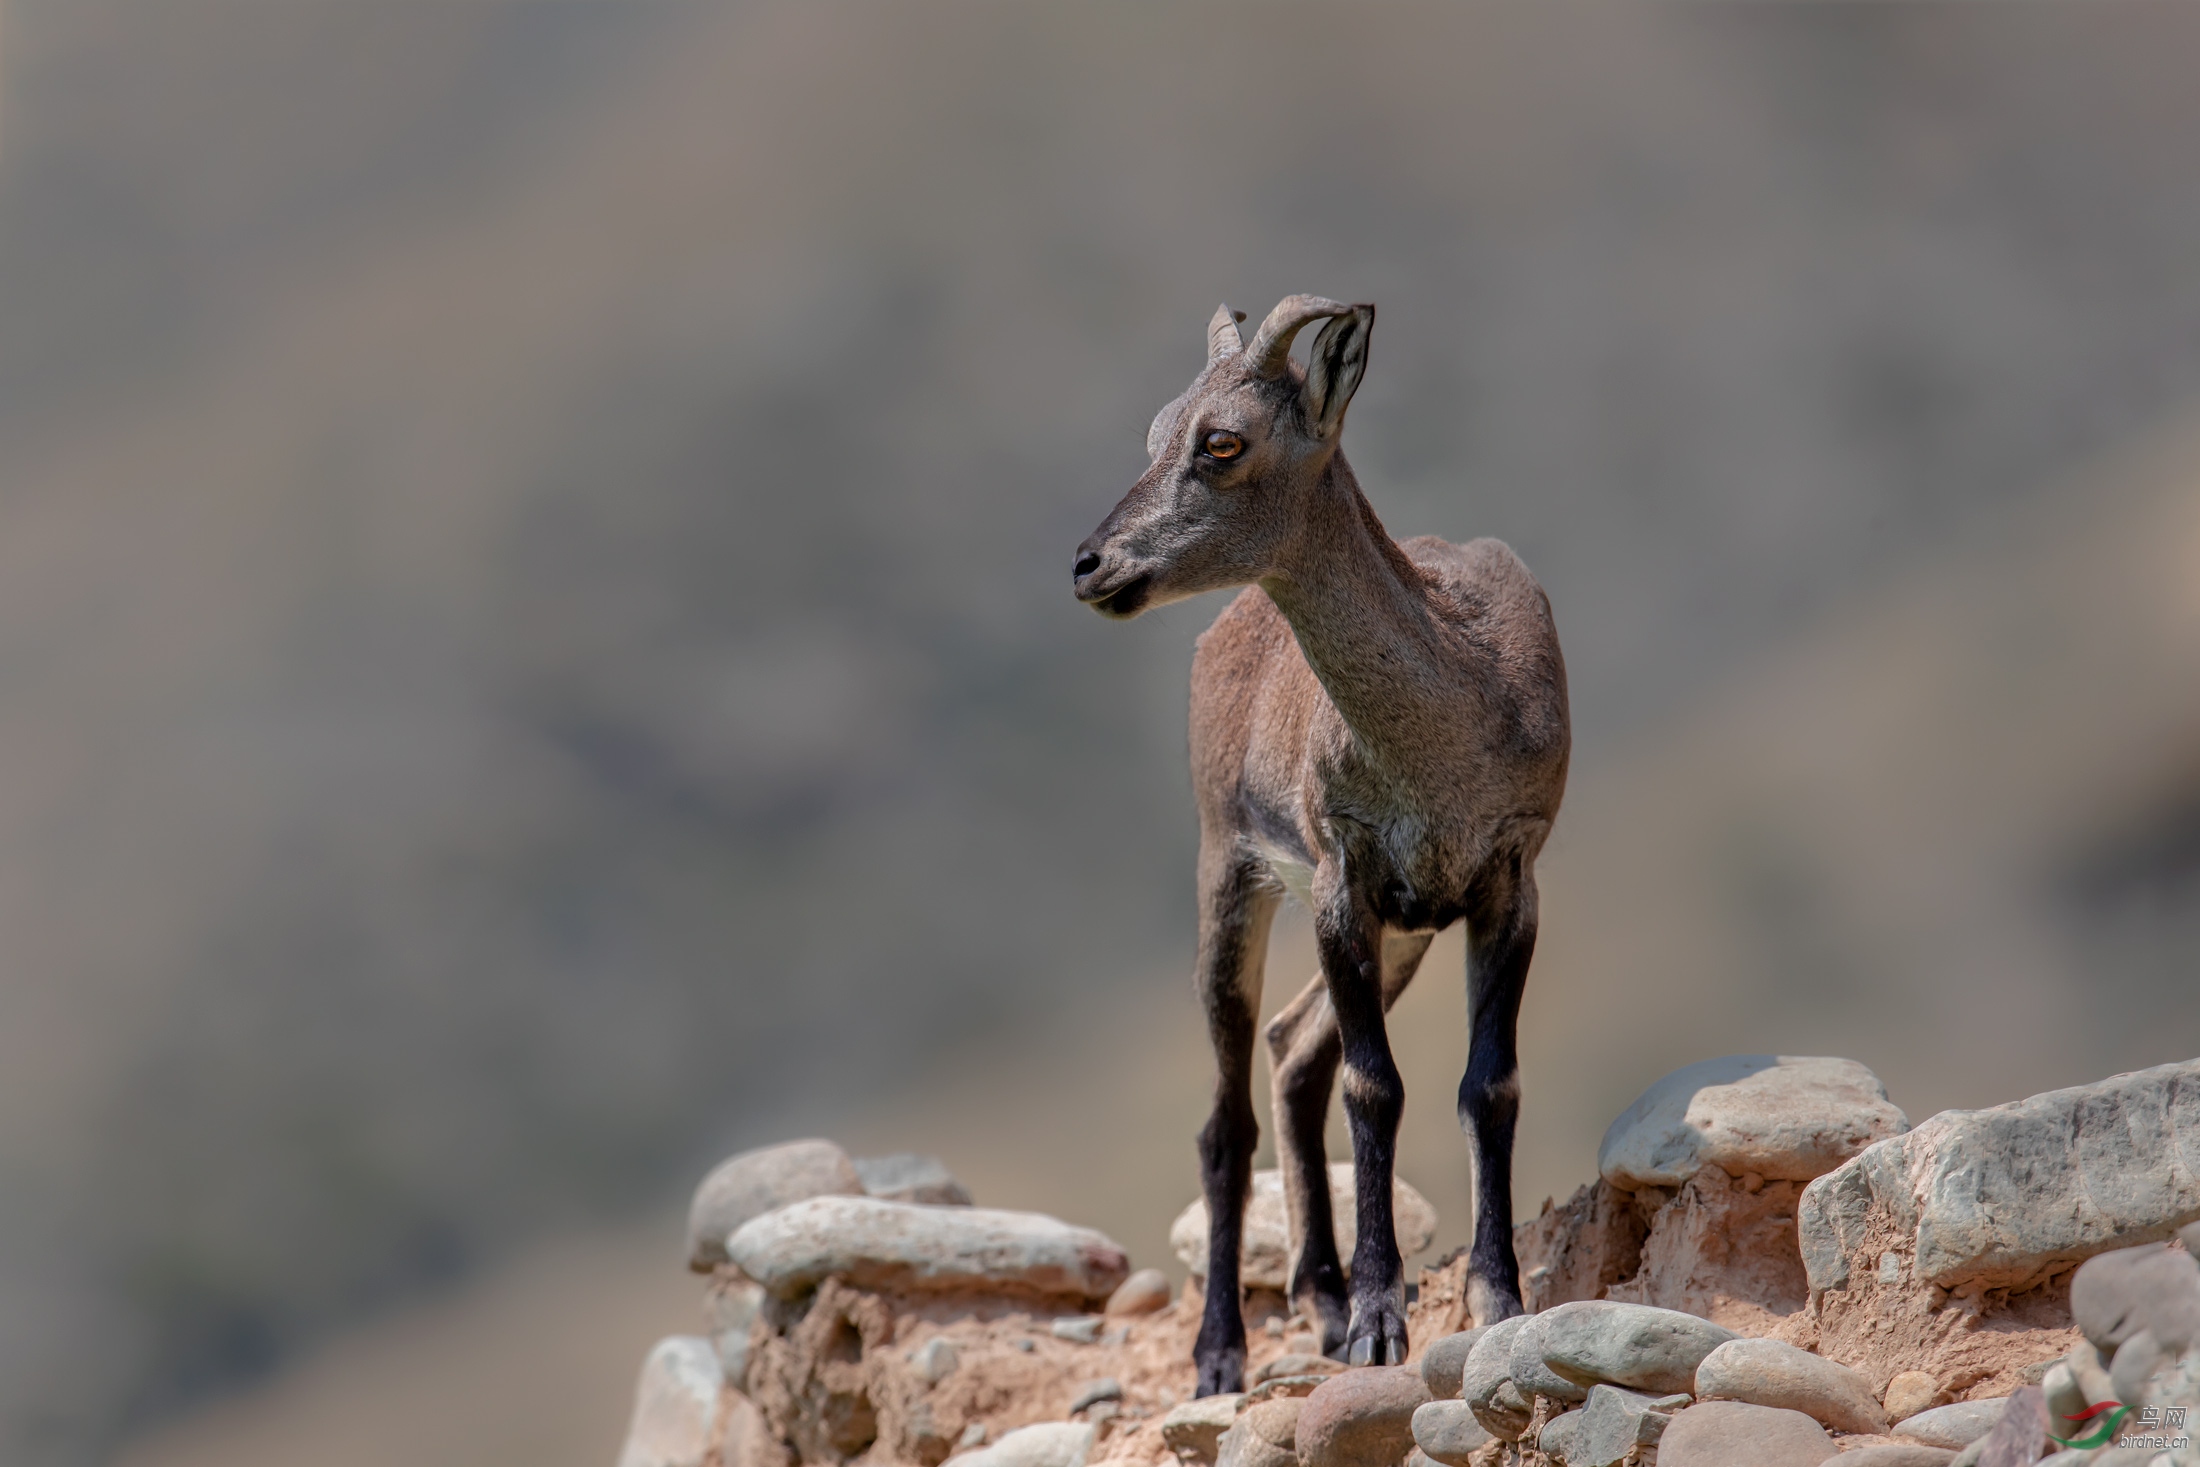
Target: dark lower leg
<point>1500,946</point>
<point>1304,1053</point>
<point>1374,1099</point>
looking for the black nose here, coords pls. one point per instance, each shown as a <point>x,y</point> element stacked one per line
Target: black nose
<point>1088,561</point>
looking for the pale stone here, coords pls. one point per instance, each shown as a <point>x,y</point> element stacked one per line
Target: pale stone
<point>1262,1436</point>
<point>2019,1436</point>
<point>1558,1437</point>
<point>1616,1421</point>
<point>1910,1392</point>
<point>1093,1392</point>
<point>900,1245</point>
<point>675,1405</point>
<point>1292,1366</point>
<point>1194,1429</point>
<point>732,1306</point>
<point>1775,1373</point>
<point>1264,1251</point>
<point>1954,1427</point>
<point>1082,1329</point>
<point>1363,1418</point>
<point>2005,1196</point>
<point>1485,1381</point>
<point>1448,1431</point>
<point>1594,1341</point>
<point>906,1176</point>
<point>1144,1292</point>
<point>1736,1434</point>
<point>1897,1454</point>
<point>755,1182</point>
<point>1048,1444</point>
<point>1532,1376</point>
<point>1444,1361</point>
<point>2116,1295</point>
<point>1779,1117</point>
<point>934,1360</point>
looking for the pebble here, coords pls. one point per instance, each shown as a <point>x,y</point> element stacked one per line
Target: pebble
<point>755,1182</point>
<point>1362,1418</point>
<point>1737,1434</point>
<point>1264,1248</point>
<point>907,1177</point>
<point>1559,1437</point>
<point>1616,1421</point>
<point>1531,1376</point>
<point>2020,1435</point>
<point>1897,1454</point>
<point>1048,1444</point>
<point>973,1435</point>
<point>1445,1360</point>
<point>1082,1329</point>
<point>1447,1431</point>
<point>1297,1365</point>
<point>934,1360</point>
<point>1262,1436</point>
<point>1282,1385</point>
<point>1909,1393</point>
<point>1485,1381</point>
<point>1194,1429</point>
<point>1954,1427</point>
<point>1601,1341</point>
<point>1775,1373</point>
<point>902,1245</point>
<point>675,1405</point>
<point>1093,1392</point>
<point>2116,1295</point>
<point>732,1307</point>
<point>1781,1117</point>
<point>1144,1292</point>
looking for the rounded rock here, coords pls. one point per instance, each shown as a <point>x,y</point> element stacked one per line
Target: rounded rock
<point>1783,1117</point>
<point>1535,1378</point>
<point>905,1245</point>
<point>753,1183</point>
<point>1897,1454</point>
<point>1363,1418</point>
<point>2115,1295</point>
<point>1447,1431</point>
<point>1284,1367</point>
<point>1593,1341</point>
<point>1144,1292</point>
<point>1737,1434</point>
<point>1264,1246</point>
<point>1445,1361</point>
<point>1775,1373</point>
<point>675,1405</point>
<point>1264,1435</point>
<point>907,1176</point>
<point>1559,1436</point>
<point>1048,1444</point>
<point>1954,1427</point>
<point>1910,1392</point>
<point>1193,1430</point>
<point>1486,1379</point>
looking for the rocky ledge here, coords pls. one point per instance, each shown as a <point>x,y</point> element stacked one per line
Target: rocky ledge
<point>1771,1268</point>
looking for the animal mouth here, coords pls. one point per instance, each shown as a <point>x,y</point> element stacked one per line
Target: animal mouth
<point>1126,600</point>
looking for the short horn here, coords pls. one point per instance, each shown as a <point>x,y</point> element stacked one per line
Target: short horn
<point>1223,338</point>
<point>1271,348</point>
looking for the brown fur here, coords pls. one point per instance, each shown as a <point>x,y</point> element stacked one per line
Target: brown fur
<point>1381,727</point>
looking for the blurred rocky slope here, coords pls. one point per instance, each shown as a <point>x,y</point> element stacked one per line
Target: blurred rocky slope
<point>531,607</point>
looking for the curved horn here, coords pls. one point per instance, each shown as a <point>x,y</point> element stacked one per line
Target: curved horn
<point>1223,338</point>
<point>1271,348</point>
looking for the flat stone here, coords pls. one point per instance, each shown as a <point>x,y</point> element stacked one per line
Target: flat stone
<point>1264,1252</point>
<point>2020,1435</point>
<point>1283,1385</point>
<point>1775,1373</point>
<point>755,1182</point>
<point>900,1245</point>
<point>1559,1437</point>
<point>934,1360</point>
<point>1954,1427</point>
<point>1737,1434</point>
<point>2116,1295</point>
<point>1262,1436</point>
<point>1910,1392</point>
<point>1194,1429</point>
<point>2005,1196</point>
<point>1615,1421</point>
<point>1093,1392</point>
<point>1144,1292</point>
<point>1080,1329</point>
<point>907,1176</point>
<point>1284,1366</point>
<point>1447,1431</point>
<point>1897,1454</point>
<point>1602,1341</point>
<point>1485,1382</point>
<point>1782,1117</point>
<point>1362,1418</point>
<point>1444,1361</point>
<point>675,1405</point>
<point>1048,1444</point>
<point>1534,1378</point>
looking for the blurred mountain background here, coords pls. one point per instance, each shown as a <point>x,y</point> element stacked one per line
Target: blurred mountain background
<point>535,646</point>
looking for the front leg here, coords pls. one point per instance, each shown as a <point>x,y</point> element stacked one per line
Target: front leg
<point>1236,906</point>
<point>1501,930</point>
<point>1349,936</point>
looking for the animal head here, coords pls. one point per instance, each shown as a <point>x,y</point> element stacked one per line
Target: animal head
<point>1235,460</point>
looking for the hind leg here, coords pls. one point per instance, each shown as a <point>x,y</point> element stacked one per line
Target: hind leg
<point>1236,906</point>
<point>1303,1054</point>
<point>1500,942</point>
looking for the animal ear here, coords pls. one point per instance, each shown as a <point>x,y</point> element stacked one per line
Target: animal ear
<point>1334,369</point>
<point>1164,424</point>
<point>1223,339</point>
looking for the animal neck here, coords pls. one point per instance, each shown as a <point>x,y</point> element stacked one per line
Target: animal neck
<point>1361,611</point>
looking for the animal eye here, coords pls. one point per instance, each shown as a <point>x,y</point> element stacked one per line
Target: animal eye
<point>1221,444</point>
